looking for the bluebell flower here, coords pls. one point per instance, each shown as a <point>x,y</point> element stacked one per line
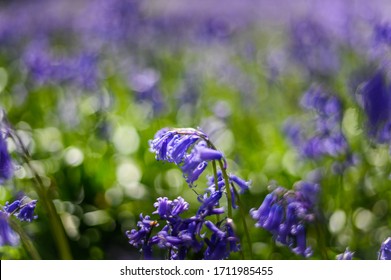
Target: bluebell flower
<point>6,165</point>
<point>209,202</point>
<point>168,209</point>
<point>222,241</point>
<point>285,213</point>
<point>182,236</point>
<point>137,238</point>
<point>13,207</point>
<point>185,147</point>
<point>233,181</point>
<point>385,250</point>
<point>7,235</point>
<point>347,255</point>
<point>24,211</point>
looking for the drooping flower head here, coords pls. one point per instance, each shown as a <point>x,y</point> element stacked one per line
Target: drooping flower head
<point>285,214</point>
<point>22,209</point>
<point>188,148</point>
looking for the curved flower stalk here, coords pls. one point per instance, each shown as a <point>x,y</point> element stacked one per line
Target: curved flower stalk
<point>24,211</point>
<point>192,151</point>
<point>285,214</point>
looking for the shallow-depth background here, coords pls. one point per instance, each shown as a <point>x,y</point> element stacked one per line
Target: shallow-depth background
<point>88,83</point>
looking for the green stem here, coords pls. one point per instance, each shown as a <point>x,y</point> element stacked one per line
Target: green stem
<point>56,225</point>
<point>321,240</point>
<point>243,216</point>
<point>227,189</point>
<point>26,241</point>
<point>216,182</point>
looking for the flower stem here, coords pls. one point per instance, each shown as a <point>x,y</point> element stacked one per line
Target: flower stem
<point>228,191</point>
<point>216,182</point>
<point>245,228</point>
<point>56,225</point>
<point>27,243</point>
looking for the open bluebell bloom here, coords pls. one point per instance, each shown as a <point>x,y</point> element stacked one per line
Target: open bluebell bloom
<point>385,250</point>
<point>285,213</point>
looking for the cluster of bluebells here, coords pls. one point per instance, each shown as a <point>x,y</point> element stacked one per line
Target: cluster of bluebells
<point>325,136</point>
<point>23,210</point>
<point>191,150</point>
<point>180,236</point>
<point>285,214</point>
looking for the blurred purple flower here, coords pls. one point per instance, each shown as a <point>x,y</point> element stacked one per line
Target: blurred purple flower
<point>375,94</point>
<point>284,213</point>
<point>44,67</point>
<point>385,250</point>
<point>347,255</point>
<point>312,46</point>
<point>145,85</point>
<point>323,135</point>
<point>6,165</point>
<point>7,235</point>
